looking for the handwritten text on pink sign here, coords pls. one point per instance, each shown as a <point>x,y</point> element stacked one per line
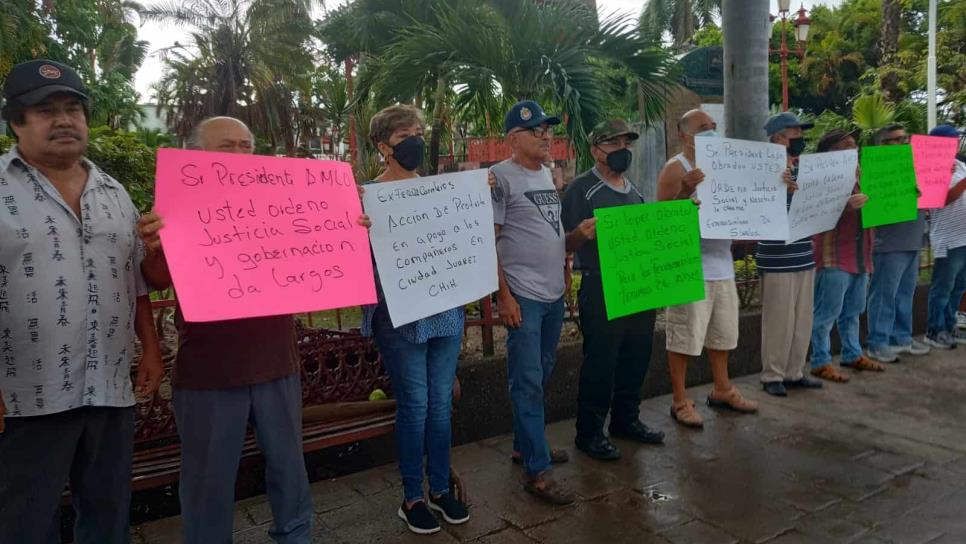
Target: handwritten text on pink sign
<point>933,157</point>
<point>249,235</point>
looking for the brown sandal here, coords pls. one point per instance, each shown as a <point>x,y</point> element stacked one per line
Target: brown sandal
<point>864,363</point>
<point>828,372</point>
<point>542,487</point>
<point>686,415</point>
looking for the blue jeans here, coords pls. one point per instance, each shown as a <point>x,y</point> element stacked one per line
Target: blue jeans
<point>891,289</point>
<point>946,291</point>
<point>422,377</point>
<point>839,297</point>
<point>212,425</point>
<point>531,354</point>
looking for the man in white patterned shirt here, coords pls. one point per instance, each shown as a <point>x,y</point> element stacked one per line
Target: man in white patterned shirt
<point>71,299</point>
<point>947,233</point>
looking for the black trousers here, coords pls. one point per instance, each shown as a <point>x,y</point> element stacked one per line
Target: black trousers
<point>617,355</point>
<point>91,447</point>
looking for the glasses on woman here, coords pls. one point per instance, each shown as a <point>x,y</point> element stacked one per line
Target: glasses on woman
<point>896,140</point>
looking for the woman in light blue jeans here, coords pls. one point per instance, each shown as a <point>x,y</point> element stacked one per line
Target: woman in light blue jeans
<point>420,357</point>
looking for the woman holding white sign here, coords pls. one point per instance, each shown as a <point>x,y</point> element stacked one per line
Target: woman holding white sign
<point>420,357</point>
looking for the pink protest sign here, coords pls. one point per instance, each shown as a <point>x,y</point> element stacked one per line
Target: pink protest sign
<point>933,158</point>
<point>250,235</point>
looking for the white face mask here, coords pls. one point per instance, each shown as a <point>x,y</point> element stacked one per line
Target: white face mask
<point>708,134</point>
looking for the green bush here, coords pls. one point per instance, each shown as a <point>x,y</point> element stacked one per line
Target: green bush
<point>123,157</point>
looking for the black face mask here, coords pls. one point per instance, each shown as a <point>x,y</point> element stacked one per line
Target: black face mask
<point>619,161</point>
<point>796,146</point>
<point>409,152</point>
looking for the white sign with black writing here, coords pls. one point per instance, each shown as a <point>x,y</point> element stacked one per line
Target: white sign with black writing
<point>433,241</point>
<point>743,195</point>
<point>825,182</point>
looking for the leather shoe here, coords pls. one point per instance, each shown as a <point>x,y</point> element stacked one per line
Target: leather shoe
<point>804,383</point>
<point>774,388</point>
<point>638,432</point>
<point>599,448</point>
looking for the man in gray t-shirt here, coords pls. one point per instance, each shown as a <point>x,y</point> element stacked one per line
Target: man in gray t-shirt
<point>895,260</point>
<point>530,250</point>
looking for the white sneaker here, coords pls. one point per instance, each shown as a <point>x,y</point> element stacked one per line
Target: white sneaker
<point>915,348</point>
<point>883,355</point>
<point>940,341</point>
<point>961,320</point>
<point>957,337</point>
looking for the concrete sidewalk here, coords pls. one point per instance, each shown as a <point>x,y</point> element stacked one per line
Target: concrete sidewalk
<point>880,459</point>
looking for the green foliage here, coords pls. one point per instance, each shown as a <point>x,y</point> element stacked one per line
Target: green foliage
<point>844,59</point>
<point>249,59</point>
<point>708,36</point>
<point>681,19</point>
<point>126,159</point>
<point>95,37</point>
<point>871,112</point>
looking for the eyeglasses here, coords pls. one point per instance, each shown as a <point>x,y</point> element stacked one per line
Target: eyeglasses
<point>896,140</point>
<point>538,132</point>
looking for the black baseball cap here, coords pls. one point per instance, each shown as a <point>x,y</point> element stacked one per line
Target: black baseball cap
<point>527,114</point>
<point>29,83</point>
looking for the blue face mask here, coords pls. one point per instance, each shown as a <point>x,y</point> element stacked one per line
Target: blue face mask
<point>709,134</point>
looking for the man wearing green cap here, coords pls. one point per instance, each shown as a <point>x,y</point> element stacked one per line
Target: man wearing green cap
<point>617,353</point>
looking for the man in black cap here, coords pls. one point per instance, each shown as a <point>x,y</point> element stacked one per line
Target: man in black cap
<point>74,295</point>
<point>532,261</point>
<point>616,353</point>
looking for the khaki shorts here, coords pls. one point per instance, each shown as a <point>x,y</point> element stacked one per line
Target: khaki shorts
<point>711,323</point>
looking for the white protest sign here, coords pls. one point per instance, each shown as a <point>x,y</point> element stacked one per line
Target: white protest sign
<point>433,241</point>
<point>825,182</point>
<point>743,196</point>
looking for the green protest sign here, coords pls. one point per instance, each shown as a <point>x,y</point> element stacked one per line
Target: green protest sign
<point>650,256</point>
<point>889,178</point>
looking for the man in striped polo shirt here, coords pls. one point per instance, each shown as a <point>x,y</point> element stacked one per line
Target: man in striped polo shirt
<point>787,282</point>
<point>947,231</point>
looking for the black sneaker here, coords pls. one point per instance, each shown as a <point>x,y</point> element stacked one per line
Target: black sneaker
<point>776,389</point>
<point>419,519</point>
<point>638,432</point>
<point>599,448</point>
<point>804,383</point>
<point>454,512</point>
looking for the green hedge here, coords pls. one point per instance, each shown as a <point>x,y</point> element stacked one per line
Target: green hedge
<point>123,157</point>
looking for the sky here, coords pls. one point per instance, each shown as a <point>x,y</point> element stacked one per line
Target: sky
<point>163,36</point>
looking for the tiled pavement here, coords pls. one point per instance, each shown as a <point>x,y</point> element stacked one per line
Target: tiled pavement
<point>879,460</point>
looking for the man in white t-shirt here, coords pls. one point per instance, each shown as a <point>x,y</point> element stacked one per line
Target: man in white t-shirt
<point>711,323</point>
<point>947,232</point>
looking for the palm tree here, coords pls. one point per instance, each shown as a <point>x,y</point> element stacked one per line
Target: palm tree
<point>555,52</point>
<point>681,18</point>
<point>831,70</point>
<point>249,59</point>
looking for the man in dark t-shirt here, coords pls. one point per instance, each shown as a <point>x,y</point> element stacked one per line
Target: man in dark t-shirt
<point>616,353</point>
<point>227,374</point>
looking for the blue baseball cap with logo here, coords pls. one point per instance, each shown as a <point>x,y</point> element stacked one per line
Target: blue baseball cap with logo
<point>527,114</point>
<point>948,131</point>
<point>785,119</point>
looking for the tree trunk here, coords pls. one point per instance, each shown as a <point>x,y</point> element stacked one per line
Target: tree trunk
<point>888,47</point>
<point>439,97</point>
<point>744,24</point>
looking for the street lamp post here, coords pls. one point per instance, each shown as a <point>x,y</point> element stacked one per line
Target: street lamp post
<point>802,24</point>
